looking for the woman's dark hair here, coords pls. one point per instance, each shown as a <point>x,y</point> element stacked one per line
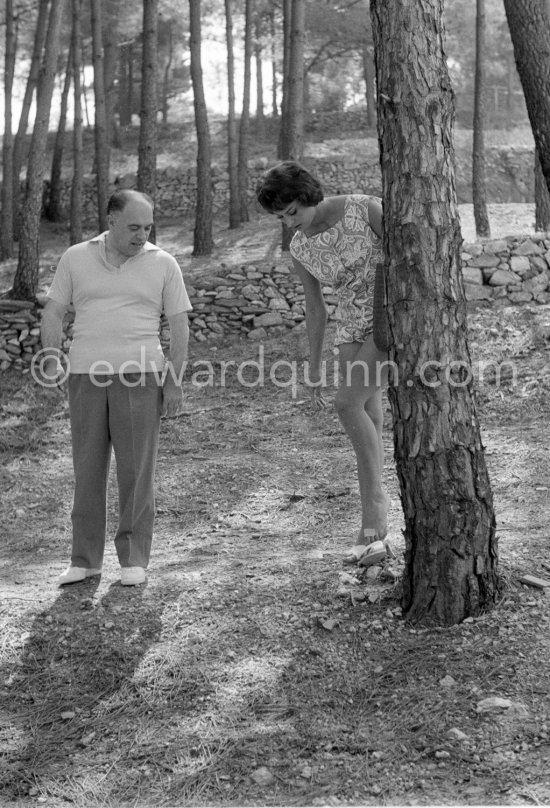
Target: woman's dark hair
<point>285,183</point>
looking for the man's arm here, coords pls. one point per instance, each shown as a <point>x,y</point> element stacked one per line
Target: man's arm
<point>51,335</point>
<point>177,362</point>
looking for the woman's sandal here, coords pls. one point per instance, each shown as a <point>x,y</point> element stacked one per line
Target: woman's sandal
<point>366,555</point>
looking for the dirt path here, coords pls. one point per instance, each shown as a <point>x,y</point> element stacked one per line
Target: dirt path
<point>249,670</point>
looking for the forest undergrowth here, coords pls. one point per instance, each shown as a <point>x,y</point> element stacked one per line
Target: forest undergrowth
<point>254,668</point>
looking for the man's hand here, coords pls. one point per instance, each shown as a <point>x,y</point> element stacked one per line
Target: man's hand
<point>172,399</point>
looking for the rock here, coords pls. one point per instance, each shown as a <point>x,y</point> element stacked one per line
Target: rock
<point>472,275</point>
<point>457,734</point>
<point>485,260</point>
<point>520,264</point>
<point>520,297</point>
<point>263,777</point>
<point>257,334</point>
<point>447,681</point>
<point>493,704</point>
<point>268,319</point>
<point>528,247</point>
<point>502,277</point>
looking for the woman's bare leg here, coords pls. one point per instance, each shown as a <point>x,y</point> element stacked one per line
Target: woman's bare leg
<point>359,407</point>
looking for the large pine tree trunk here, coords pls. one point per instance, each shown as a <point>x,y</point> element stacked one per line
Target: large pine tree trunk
<point>529,23</point>
<point>147,154</point>
<point>451,547</point>
<point>78,153</point>
<point>202,235</point>
<point>6,214</point>
<point>25,282</point>
<point>479,184</point>
<point>101,135</point>
<point>232,145</point>
<point>542,198</point>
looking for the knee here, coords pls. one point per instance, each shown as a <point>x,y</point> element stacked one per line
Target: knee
<point>345,405</point>
<point>373,408</point>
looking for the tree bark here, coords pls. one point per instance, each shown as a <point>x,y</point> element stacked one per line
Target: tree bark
<point>232,144</point>
<point>32,80</point>
<point>479,183</point>
<point>6,214</point>
<point>370,78</point>
<point>258,51</point>
<point>147,155</point>
<point>244,128</point>
<point>529,24</point>
<point>451,545</point>
<point>282,146</point>
<point>101,135</point>
<point>542,198</point>
<point>202,236</point>
<point>110,58</point>
<point>54,210</point>
<point>77,182</point>
<point>25,282</point>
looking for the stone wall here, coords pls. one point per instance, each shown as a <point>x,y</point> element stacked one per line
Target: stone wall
<point>257,302</point>
<point>510,178</point>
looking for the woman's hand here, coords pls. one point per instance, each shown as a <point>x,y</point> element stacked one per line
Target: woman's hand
<point>318,400</point>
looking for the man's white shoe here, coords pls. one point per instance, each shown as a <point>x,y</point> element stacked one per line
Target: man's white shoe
<point>73,575</point>
<point>132,576</point>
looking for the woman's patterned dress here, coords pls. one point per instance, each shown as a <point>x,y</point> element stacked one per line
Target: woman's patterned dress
<point>345,256</point>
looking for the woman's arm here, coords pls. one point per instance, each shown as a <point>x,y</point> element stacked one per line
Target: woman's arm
<point>316,318</point>
<point>375,217</point>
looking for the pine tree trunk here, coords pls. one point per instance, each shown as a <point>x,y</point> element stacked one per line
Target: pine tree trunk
<point>479,184</point>
<point>78,155</point>
<point>32,80</point>
<point>54,210</point>
<point>6,214</point>
<point>232,144</point>
<point>258,50</point>
<point>529,24</point>
<point>147,155</point>
<point>25,282</point>
<point>101,135</point>
<point>451,546</point>
<point>244,129</point>
<point>282,145</point>
<point>542,198</point>
<point>202,236</point>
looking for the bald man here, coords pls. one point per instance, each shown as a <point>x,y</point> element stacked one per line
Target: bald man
<point>119,381</point>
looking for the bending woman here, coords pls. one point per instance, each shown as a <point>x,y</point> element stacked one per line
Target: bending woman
<point>338,241</point>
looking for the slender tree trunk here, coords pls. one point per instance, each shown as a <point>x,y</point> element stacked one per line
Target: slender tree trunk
<point>244,129</point>
<point>232,145</point>
<point>147,155</point>
<point>295,121</point>
<point>529,24</point>
<point>125,84</point>
<point>26,277</point>
<point>274,82</point>
<point>166,78</point>
<point>258,51</point>
<point>542,198</point>
<point>283,148</point>
<point>78,156</point>
<point>110,54</point>
<point>479,184</point>
<point>54,209</point>
<point>32,80</point>
<point>202,237</point>
<point>368,72</point>
<point>101,135</point>
<point>451,545</point>
<point>7,215</point>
